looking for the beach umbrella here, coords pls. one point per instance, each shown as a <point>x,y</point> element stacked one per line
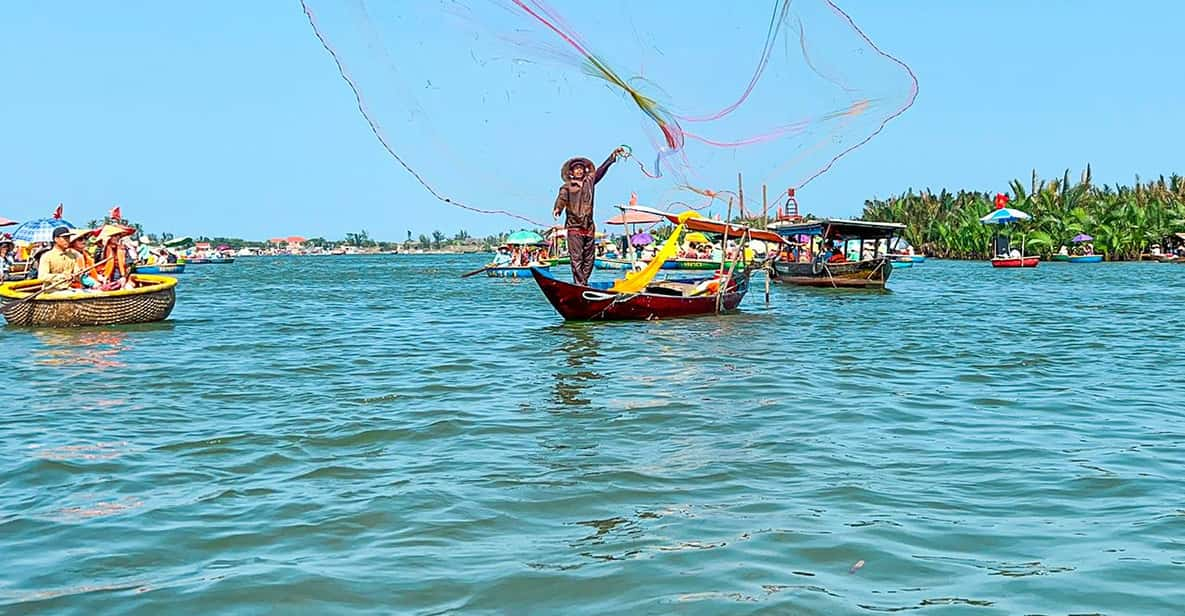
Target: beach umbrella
<point>40,230</point>
<point>6,222</point>
<point>1081,237</point>
<point>1003,216</point>
<point>642,239</point>
<point>524,237</point>
<point>696,237</point>
<point>631,217</point>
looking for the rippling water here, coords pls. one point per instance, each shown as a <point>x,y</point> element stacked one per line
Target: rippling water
<point>374,434</point>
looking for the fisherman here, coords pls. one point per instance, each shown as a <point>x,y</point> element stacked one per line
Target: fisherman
<point>58,266</point>
<point>576,198</point>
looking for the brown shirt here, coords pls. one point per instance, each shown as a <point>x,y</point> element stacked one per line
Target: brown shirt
<point>577,196</point>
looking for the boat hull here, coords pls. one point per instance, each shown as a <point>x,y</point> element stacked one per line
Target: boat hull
<point>903,264</point>
<point>150,303</point>
<point>579,303</point>
<point>1087,259</point>
<point>226,261</point>
<point>1017,262</point>
<point>613,264</point>
<point>908,259</point>
<point>1060,258</point>
<point>870,274</point>
<point>554,261</point>
<point>511,272</point>
<point>163,268</point>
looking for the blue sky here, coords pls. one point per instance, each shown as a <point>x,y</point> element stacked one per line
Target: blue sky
<point>228,118</point>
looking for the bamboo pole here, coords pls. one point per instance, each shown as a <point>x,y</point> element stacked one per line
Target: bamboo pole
<point>723,254</point>
<point>740,194</point>
<point>764,206</point>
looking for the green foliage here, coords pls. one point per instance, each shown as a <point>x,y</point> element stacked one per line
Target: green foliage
<point>1124,220</point>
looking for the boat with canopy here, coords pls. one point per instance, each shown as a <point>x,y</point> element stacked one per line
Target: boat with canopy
<point>1004,215</point>
<point>803,259</point>
<point>638,296</point>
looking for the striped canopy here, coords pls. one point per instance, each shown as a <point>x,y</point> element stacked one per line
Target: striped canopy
<point>40,230</point>
<point>1003,216</point>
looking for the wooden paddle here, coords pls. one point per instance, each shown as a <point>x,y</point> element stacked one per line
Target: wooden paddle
<point>58,285</point>
<point>477,271</point>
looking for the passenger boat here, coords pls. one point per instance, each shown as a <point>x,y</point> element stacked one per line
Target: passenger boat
<point>506,271</point>
<point>660,300</point>
<point>160,268</point>
<point>1016,261</point>
<point>801,262</point>
<point>150,302</point>
<point>1086,259</point>
<point>210,260</point>
<point>639,296</point>
<point>612,264</point>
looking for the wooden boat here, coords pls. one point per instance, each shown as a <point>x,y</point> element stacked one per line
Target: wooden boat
<point>697,265</point>
<point>150,302</point>
<point>1086,259</point>
<point>1060,258</point>
<point>613,264</point>
<point>210,261</point>
<point>661,299</point>
<point>867,274</point>
<point>870,271</point>
<point>160,268</point>
<point>1016,261</point>
<point>505,271</point>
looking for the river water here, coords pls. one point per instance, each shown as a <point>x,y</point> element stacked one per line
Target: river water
<point>368,435</point>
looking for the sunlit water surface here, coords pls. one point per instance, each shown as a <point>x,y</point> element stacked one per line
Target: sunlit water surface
<point>377,435</point>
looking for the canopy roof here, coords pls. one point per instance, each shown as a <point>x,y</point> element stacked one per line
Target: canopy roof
<point>5,222</point>
<point>835,228</point>
<point>631,216</point>
<point>711,226</point>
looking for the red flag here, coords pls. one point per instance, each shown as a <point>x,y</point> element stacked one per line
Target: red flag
<point>633,198</point>
<point>1001,201</point>
<point>57,214</point>
<point>790,192</point>
<point>115,213</point>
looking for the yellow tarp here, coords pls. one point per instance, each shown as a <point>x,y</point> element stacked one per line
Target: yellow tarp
<point>635,282</point>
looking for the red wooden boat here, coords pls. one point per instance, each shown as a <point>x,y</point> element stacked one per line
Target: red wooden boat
<point>661,299</point>
<point>1016,261</point>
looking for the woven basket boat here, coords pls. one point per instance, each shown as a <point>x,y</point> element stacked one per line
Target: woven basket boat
<point>150,302</point>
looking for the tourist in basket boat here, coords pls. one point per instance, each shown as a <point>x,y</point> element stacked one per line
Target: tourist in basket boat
<point>7,258</point>
<point>576,198</point>
<point>58,265</point>
<point>86,263</point>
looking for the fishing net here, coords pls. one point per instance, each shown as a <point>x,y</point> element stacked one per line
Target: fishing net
<point>480,100</point>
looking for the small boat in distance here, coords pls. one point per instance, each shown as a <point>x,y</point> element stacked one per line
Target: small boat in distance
<point>210,260</point>
<point>160,268</point>
<point>1016,261</point>
<point>1086,259</point>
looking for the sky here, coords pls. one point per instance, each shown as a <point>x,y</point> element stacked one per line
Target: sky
<point>227,118</point>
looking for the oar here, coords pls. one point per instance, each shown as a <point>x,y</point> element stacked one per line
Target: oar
<point>45,288</point>
<point>477,271</point>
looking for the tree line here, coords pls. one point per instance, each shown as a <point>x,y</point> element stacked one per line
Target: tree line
<point>1123,220</point>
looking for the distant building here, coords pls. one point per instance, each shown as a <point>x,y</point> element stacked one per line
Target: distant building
<point>292,243</point>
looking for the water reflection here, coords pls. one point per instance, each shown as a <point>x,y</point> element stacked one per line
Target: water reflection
<point>577,345</point>
<point>94,350</point>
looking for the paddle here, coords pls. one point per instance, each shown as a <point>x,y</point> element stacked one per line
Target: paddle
<point>58,285</point>
<point>477,271</point>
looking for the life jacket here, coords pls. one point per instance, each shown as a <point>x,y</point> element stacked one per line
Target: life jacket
<point>117,262</point>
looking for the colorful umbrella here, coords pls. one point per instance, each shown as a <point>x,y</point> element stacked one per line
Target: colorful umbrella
<point>696,238</point>
<point>40,230</point>
<point>642,239</point>
<point>1081,237</point>
<point>631,217</point>
<point>1003,216</point>
<point>524,238</point>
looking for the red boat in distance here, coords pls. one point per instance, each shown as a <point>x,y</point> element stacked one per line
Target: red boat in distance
<point>1016,261</point>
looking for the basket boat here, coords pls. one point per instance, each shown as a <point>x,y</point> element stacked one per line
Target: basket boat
<point>153,301</point>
